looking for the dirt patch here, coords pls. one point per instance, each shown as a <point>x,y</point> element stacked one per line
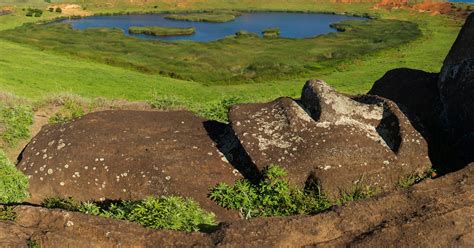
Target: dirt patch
<point>6,11</point>
<point>429,6</point>
<point>71,9</point>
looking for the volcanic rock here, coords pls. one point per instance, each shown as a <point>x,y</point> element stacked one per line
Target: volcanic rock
<point>113,155</point>
<point>434,213</point>
<point>456,82</point>
<point>456,88</point>
<point>416,93</point>
<point>330,139</point>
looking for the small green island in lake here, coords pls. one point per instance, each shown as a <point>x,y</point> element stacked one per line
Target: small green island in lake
<point>161,31</point>
<point>271,33</point>
<point>205,17</point>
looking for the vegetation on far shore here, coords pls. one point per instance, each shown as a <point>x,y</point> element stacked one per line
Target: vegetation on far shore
<point>161,31</point>
<point>218,17</point>
<point>271,33</point>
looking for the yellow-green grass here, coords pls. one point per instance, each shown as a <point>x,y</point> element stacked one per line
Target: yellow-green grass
<point>161,31</point>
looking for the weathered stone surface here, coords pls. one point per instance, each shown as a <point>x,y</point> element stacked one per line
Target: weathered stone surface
<point>336,141</point>
<point>456,82</point>
<point>58,228</point>
<point>128,155</point>
<point>416,93</point>
<point>434,213</point>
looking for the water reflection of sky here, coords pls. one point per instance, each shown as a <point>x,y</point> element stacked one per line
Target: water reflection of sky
<point>292,25</point>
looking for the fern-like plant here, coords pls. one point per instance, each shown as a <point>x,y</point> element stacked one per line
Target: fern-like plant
<point>273,196</point>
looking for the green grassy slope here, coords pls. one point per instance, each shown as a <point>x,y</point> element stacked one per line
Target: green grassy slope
<point>35,73</point>
<point>227,61</point>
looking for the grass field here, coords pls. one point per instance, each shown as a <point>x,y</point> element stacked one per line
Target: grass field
<point>226,61</point>
<point>35,73</point>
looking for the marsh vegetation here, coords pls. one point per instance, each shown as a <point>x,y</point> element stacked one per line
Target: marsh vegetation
<point>219,16</point>
<point>227,61</point>
<point>161,31</point>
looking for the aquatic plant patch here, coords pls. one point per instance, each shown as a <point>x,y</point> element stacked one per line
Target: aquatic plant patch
<point>161,31</point>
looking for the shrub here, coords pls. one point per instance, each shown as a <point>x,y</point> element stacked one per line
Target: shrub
<point>13,184</point>
<point>410,180</point>
<point>245,34</point>
<point>272,196</point>
<point>30,243</point>
<point>68,204</point>
<point>173,213</point>
<point>218,111</point>
<point>167,102</point>
<point>59,10</point>
<point>15,122</point>
<point>34,12</point>
<point>358,193</point>
<point>70,110</point>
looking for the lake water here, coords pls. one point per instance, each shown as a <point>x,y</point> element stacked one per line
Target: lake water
<point>292,25</point>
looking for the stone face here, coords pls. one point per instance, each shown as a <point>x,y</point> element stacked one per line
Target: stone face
<point>456,82</point>
<point>332,139</point>
<point>128,155</point>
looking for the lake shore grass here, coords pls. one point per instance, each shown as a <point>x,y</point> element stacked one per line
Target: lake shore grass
<point>161,31</point>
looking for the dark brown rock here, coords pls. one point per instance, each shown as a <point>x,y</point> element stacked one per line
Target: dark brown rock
<point>456,82</point>
<point>434,213</point>
<point>127,155</point>
<point>416,94</point>
<point>456,87</point>
<point>58,228</point>
<point>337,142</point>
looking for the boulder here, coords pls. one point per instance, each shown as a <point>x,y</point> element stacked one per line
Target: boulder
<point>434,213</point>
<point>456,82</point>
<point>456,87</point>
<point>416,93</point>
<point>113,155</point>
<point>333,140</point>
